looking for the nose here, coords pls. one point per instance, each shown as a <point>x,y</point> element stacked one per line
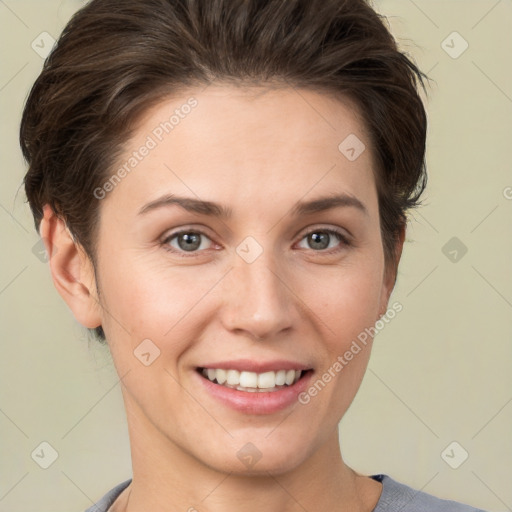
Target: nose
<point>258,300</point>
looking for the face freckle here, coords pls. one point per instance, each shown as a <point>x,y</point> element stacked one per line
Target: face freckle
<point>242,179</point>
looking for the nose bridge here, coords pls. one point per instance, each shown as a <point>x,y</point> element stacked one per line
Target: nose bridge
<point>258,301</point>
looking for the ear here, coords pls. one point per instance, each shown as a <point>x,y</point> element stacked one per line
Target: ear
<point>390,273</point>
<point>71,269</point>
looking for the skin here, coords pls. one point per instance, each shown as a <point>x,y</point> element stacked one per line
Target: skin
<point>257,152</point>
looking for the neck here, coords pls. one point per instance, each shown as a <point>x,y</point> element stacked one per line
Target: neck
<point>167,478</point>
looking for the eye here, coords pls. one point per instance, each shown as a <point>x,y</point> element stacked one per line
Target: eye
<point>322,239</point>
<point>186,241</point>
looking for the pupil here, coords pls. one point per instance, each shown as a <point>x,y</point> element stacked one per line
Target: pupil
<point>319,240</point>
<point>191,241</point>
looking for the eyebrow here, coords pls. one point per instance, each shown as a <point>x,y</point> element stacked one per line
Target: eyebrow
<point>190,204</point>
<point>217,210</point>
<point>327,203</point>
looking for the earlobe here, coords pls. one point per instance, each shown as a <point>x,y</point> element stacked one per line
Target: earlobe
<point>71,269</point>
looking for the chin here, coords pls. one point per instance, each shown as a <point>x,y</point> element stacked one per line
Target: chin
<point>258,458</point>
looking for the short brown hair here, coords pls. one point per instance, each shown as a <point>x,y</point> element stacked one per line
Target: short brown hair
<point>116,59</point>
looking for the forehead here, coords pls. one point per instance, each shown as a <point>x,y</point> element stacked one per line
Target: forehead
<point>241,144</point>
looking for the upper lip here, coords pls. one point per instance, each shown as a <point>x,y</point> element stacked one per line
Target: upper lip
<point>250,365</point>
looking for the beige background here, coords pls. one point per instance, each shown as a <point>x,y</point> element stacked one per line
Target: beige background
<point>440,372</point>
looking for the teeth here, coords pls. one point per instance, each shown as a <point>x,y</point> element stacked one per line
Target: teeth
<point>265,380</point>
<point>290,377</point>
<point>220,375</point>
<point>233,377</point>
<point>251,381</point>
<point>280,377</point>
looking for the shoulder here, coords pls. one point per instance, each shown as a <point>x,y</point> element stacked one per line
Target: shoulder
<point>109,498</point>
<point>396,496</point>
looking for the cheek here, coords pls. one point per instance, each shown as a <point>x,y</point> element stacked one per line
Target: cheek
<point>158,300</point>
<point>159,303</point>
<point>347,300</point>
<point>347,306</point>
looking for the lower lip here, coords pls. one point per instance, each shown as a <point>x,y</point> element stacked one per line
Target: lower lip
<point>259,402</point>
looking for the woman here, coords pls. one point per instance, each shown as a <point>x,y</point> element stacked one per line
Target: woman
<point>222,188</point>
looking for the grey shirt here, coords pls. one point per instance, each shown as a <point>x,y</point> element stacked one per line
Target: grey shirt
<point>395,497</point>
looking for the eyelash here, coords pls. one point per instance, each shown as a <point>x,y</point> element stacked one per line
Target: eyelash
<point>345,241</point>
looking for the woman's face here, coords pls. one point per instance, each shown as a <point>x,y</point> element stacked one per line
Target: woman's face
<point>259,279</point>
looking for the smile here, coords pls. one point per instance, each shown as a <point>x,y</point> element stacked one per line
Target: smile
<point>252,381</point>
